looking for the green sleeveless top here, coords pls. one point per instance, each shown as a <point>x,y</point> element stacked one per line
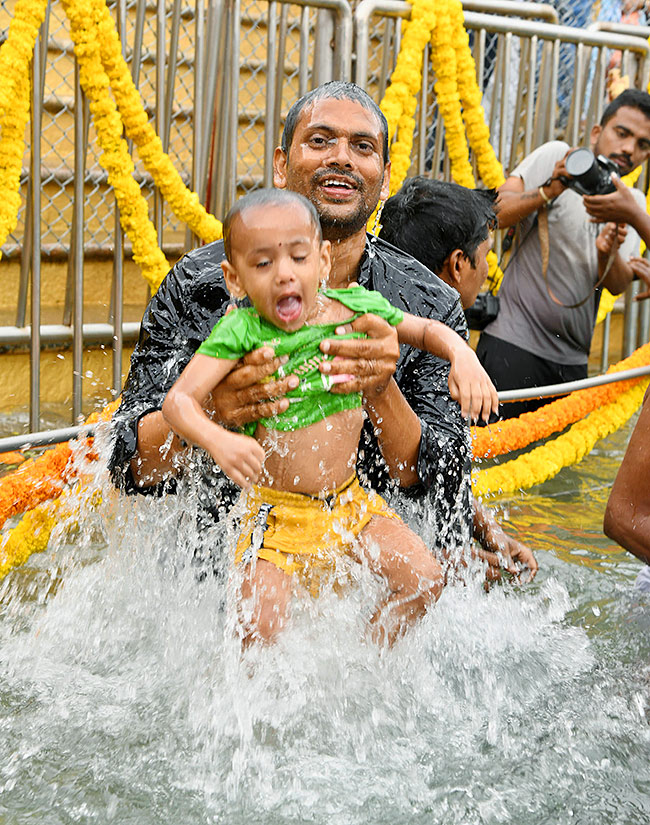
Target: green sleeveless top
<point>243,330</point>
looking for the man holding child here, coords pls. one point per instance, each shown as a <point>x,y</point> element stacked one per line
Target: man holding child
<point>335,152</point>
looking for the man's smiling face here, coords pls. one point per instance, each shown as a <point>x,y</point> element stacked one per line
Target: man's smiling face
<point>336,161</point>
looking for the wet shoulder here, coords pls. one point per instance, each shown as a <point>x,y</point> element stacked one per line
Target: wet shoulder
<point>406,283</point>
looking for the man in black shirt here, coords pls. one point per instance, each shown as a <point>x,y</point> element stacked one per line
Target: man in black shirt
<point>335,151</point>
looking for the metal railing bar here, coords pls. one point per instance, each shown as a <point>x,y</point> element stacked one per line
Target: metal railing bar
<point>233,81</point>
<point>517,9</point>
<point>159,118</point>
<point>551,390</point>
<point>77,258</point>
<point>45,438</point>
<point>35,157</point>
<point>303,67</point>
<point>631,29</point>
<point>271,91</point>
<point>283,30</point>
<point>138,37</point>
<point>116,310</point>
<point>60,334</point>
<point>171,73</point>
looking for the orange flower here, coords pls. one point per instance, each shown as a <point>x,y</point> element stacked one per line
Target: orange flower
<point>44,477</point>
<point>516,433</point>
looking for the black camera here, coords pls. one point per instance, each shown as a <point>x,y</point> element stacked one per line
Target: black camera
<point>483,311</point>
<point>590,174</point>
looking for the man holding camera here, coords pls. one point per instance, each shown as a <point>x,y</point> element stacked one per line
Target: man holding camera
<point>569,247</point>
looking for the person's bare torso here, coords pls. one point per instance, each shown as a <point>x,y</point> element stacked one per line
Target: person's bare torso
<point>320,457</point>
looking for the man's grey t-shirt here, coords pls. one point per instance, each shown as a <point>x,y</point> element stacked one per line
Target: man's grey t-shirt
<point>528,317</point>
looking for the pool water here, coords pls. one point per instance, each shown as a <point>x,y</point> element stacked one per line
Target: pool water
<point>124,698</point>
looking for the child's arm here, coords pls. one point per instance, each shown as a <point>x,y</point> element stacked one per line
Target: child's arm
<point>239,456</point>
<point>469,384</point>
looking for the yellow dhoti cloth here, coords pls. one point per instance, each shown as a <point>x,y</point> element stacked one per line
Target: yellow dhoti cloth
<point>304,534</point>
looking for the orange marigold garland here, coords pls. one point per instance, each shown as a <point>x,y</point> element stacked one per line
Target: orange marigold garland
<point>542,463</point>
<point>43,477</point>
<point>517,433</point>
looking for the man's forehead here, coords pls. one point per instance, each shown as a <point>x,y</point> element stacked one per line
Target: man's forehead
<point>631,118</point>
<point>340,116</point>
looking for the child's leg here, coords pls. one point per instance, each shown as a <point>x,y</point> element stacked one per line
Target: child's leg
<point>265,594</point>
<point>410,570</point>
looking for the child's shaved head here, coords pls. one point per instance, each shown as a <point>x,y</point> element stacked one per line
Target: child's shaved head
<point>268,197</point>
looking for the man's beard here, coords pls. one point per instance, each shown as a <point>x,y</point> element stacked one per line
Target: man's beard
<point>337,228</point>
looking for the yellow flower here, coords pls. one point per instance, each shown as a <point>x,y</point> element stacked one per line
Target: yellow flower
<point>546,461</point>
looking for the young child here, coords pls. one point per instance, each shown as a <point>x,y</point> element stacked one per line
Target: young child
<point>311,510</point>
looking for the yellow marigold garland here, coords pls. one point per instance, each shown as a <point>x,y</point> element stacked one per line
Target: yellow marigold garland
<point>400,101</point>
<point>183,202</point>
<point>542,463</point>
<point>517,433</point>
<point>15,56</point>
<point>478,134</point>
<point>31,535</point>
<point>115,158</point>
<point>443,56</point>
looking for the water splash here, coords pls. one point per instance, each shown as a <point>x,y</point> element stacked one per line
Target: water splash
<point>124,695</point>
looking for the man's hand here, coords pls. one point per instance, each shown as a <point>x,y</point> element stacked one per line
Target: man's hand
<point>512,557</point>
<point>368,363</point>
<point>610,237</point>
<point>501,551</point>
<point>247,394</point>
<point>557,186</point>
<point>617,207</point>
<point>641,268</point>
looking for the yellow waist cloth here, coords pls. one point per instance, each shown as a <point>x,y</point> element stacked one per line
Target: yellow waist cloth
<point>295,531</point>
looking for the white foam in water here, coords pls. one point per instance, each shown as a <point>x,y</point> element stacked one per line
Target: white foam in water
<point>124,697</point>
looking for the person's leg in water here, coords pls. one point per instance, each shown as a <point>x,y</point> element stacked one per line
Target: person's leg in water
<point>413,575</point>
<point>265,598</point>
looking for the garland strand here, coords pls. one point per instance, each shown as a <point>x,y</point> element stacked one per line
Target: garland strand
<point>517,433</point>
<point>31,535</point>
<point>443,56</point>
<point>545,462</point>
<point>115,158</point>
<point>183,202</point>
<point>15,57</point>
<point>43,477</point>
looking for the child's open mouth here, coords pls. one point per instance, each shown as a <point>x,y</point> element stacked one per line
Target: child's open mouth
<point>289,308</point>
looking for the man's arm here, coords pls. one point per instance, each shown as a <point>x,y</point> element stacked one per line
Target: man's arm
<point>501,551</point>
<point>627,516</point>
<point>515,203</point>
<point>243,396</point>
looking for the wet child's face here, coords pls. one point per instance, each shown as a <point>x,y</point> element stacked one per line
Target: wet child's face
<point>278,261</point>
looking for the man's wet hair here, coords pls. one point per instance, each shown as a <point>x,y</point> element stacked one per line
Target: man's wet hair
<point>430,218</point>
<point>634,98</point>
<point>339,90</point>
<point>270,198</point>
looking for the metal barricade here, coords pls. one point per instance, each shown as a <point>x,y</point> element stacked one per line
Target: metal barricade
<point>217,78</point>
